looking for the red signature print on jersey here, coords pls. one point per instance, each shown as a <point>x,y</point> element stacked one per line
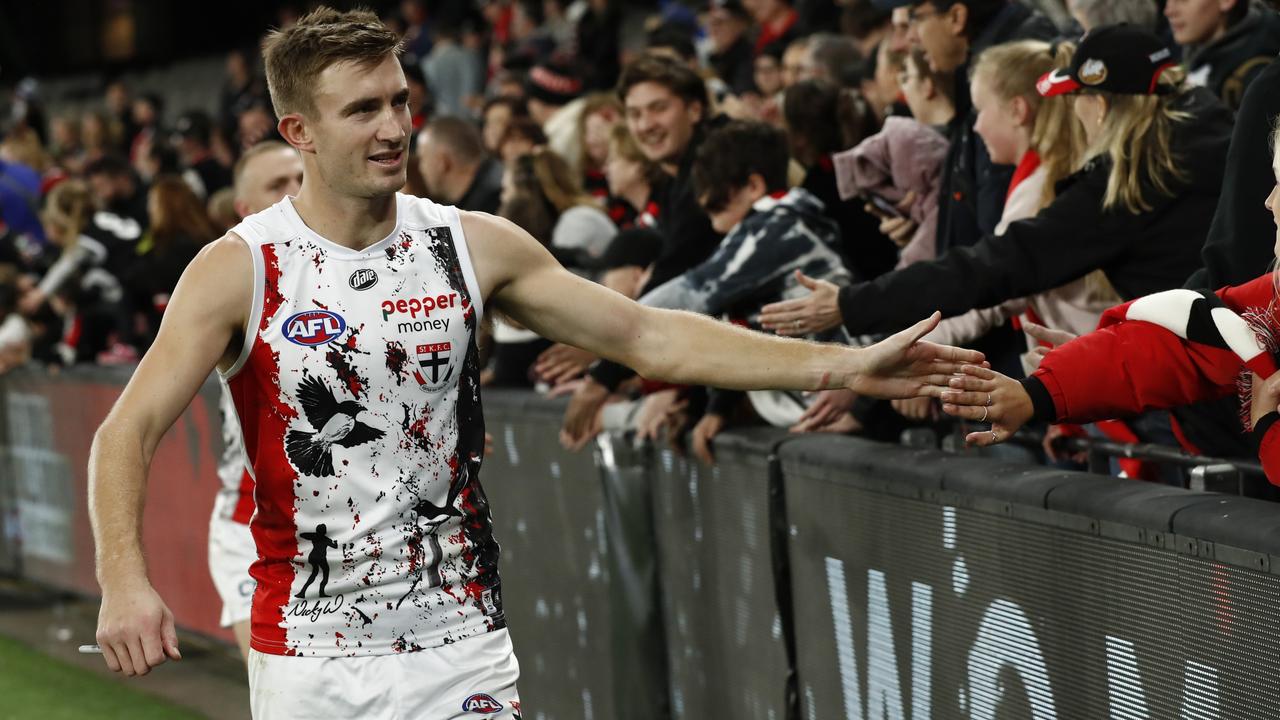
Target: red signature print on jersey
<point>413,306</point>
<point>313,327</point>
<point>481,703</point>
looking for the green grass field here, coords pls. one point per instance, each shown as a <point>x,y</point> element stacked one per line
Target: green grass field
<point>34,686</point>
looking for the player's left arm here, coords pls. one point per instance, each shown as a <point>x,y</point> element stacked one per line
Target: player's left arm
<point>521,279</point>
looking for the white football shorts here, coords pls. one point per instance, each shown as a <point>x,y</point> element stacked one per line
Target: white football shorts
<point>472,679</point>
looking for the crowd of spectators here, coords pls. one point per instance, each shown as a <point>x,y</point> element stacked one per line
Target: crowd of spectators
<point>830,169</point>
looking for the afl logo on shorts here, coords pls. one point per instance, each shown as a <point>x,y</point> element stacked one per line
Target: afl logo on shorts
<point>481,703</point>
<point>313,327</point>
<point>363,279</point>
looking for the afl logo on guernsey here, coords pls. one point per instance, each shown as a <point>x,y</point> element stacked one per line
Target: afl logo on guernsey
<point>481,703</point>
<point>363,279</point>
<point>313,327</point>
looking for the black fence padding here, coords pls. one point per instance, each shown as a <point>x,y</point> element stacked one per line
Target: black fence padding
<point>1235,522</point>
<point>549,521</point>
<point>724,635</point>
<point>1138,504</point>
<point>915,608</point>
<point>637,634</point>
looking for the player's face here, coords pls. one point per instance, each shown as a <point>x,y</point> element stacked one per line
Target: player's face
<point>362,125</point>
<point>267,178</point>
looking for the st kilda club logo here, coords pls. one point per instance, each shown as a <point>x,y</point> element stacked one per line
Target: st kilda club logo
<point>434,366</point>
<point>310,328</point>
<point>363,279</point>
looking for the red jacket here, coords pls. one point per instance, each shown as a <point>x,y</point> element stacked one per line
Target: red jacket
<point>1166,350</point>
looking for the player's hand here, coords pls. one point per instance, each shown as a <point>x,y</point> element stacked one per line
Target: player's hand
<point>826,408</point>
<point>560,363</point>
<point>818,311</point>
<point>703,433</point>
<point>582,418</point>
<point>985,395</point>
<point>904,366</point>
<point>658,411</point>
<point>135,629</point>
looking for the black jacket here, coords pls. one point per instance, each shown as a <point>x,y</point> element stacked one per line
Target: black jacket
<point>736,66</point>
<point>973,189</point>
<point>1140,254</point>
<point>1234,60</point>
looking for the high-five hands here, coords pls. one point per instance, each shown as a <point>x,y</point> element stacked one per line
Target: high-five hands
<point>986,396</point>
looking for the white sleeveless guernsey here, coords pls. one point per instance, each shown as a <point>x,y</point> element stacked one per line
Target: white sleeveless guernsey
<point>358,395</point>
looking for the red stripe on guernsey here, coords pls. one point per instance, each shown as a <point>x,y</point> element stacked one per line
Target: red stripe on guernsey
<point>244,503</point>
<point>271,297</point>
<point>264,419</point>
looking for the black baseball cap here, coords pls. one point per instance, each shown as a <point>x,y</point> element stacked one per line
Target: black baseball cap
<point>1122,59</point>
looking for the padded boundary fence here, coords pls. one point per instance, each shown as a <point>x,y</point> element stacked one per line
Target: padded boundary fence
<point>801,578</point>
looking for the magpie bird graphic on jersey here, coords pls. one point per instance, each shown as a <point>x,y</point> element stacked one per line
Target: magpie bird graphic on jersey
<point>335,423</point>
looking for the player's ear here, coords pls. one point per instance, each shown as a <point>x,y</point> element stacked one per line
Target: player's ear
<point>296,131</point>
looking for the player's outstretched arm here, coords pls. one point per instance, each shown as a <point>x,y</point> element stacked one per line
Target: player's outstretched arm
<point>135,628</point>
<point>522,279</point>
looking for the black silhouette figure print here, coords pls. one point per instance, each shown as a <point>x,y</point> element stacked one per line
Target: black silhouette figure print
<point>335,424</point>
<point>318,558</point>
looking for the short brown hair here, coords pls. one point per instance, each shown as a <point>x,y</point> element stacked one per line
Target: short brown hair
<point>295,57</point>
<point>683,82</point>
<point>266,146</point>
<point>460,136</point>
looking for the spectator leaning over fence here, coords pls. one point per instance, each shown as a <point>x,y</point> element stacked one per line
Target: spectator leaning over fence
<point>456,167</point>
<point>420,657</point>
<point>1043,139</point>
<point>740,176</point>
<point>1239,247</point>
<point>1159,351</point>
<point>1225,43</point>
<point>1139,209</point>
